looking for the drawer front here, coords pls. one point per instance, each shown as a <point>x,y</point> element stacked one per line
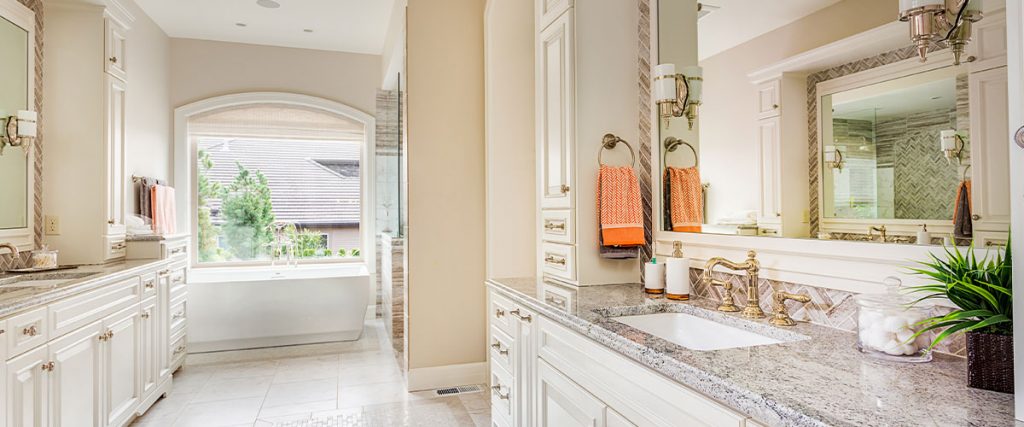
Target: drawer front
<point>177,250</point>
<point>178,279</point>
<point>557,226</point>
<point>501,317</point>
<point>114,247</point>
<point>639,394</point>
<point>501,393</point>
<point>502,349</point>
<point>559,260</point>
<point>26,331</point>
<point>149,285</point>
<point>75,312</point>
<point>557,297</point>
<point>177,350</point>
<point>179,315</point>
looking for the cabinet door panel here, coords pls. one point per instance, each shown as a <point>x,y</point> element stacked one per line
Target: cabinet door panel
<point>770,173</point>
<point>149,328</point>
<point>27,389</point>
<point>556,111</point>
<point>115,156</point>
<point>121,362</point>
<point>990,145</point>
<point>562,403</point>
<point>116,41</point>
<point>75,379</point>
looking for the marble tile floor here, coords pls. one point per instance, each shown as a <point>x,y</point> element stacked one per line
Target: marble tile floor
<point>349,384</point>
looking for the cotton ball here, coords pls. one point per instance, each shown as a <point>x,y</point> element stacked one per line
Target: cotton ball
<point>922,341</point>
<point>904,335</point>
<point>894,323</point>
<point>868,318</point>
<point>913,317</point>
<point>892,347</point>
<point>909,349</point>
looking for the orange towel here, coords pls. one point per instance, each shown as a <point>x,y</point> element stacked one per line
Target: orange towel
<point>162,201</point>
<point>618,204</point>
<point>686,199</point>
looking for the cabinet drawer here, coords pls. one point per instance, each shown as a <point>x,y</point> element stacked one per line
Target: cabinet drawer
<point>26,331</point>
<point>80,310</point>
<point>177,280</point>
<point>179,315</point>
<point>559,260</point>
<point>176,250</point>
<point>557,226</point>
<point>114,247</point>
<point>499,314</point>
<point>501,393</point>
<point>177,350</point>
<point>502,349</point>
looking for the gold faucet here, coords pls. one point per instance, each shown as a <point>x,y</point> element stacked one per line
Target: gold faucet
<point>781,317</point>
<point>752,267</point>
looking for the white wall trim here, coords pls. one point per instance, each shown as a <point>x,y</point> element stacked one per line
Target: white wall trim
<point>447,376</point>
<point>1015,79</point>
<point>183,172</point>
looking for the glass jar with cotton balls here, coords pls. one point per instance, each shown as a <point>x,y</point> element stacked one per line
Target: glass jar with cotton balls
<point>887,325</point>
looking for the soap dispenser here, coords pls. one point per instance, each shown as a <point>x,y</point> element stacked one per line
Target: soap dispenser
<point>654,277</point>
<point>924,237</point>
<point>677,274</point>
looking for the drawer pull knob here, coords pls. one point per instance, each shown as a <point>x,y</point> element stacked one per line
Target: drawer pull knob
<point>499,313</point>
<point>524,317</point>
<point>178,279</point>
<point>30,331</point>
<point>976,217</point>
<point>178,315</point>
<point>179,350</point>
<point>554,226</point>
<point>2,331</point>
<point>497,346</point>
<point>164,272</point>
<point>551,259</point>
<point>48,366</point>
<point>176,251</point>
<point>112,59</point>
<point>150,284</point>
<point>497,390</point>
<point>564,189</point>
<point>145,315</point>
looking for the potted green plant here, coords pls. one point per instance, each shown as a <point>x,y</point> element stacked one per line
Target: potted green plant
<point>981,289</point>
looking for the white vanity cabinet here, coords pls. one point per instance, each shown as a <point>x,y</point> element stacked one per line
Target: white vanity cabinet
<point>546,375</point>
<point>569,128</point>
<point>84,179</point>
<point>782,148</point>
<point>98,363</point>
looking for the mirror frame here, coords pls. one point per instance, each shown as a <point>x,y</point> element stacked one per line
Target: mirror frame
<point>851,266</point>
<point>25,238</point>
<point>884,73</point>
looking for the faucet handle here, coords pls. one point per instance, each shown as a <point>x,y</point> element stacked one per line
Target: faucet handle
<point>728,303</point>
<point>779,298</point>
<point>751,254</point>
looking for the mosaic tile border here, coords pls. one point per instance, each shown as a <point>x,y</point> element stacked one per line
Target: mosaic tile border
<point>644,85</point>
<point>37,210</point>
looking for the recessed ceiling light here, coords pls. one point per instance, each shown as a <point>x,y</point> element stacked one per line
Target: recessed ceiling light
<point>308,30</point>
<point>269,4</point>
<point>240,24</point>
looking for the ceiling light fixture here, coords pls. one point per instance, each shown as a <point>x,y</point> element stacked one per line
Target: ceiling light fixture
<point>269,4</point>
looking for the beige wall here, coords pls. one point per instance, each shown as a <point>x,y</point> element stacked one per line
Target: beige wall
<point>728,117</point>
<point>393,57</point>
<point>446,183</point>
<point>202,69</point>
<point>148,118</point>
<point>511,161</point>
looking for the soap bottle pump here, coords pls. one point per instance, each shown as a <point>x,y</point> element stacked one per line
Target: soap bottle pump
<point>924,238</point>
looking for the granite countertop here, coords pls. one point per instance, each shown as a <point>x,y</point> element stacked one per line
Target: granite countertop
<point>818,379</point>
<point>15,296</point>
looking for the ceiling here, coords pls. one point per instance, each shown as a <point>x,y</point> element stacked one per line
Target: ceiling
<point>358,26</point>
<point>737,21</point>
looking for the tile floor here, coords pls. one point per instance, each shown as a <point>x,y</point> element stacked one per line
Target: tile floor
<point>354,383</point>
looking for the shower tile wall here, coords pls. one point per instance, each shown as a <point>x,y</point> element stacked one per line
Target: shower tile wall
<point>388,163</point>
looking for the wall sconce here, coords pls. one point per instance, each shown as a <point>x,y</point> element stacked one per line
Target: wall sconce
<point>936,21</point>
<point>952,145</point>
<point>680,94</point>
<point>834,158</point>
<point>19,131</point>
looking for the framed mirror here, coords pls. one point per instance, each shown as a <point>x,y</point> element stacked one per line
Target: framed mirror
<point>17,92</point>
<point>850,140</point>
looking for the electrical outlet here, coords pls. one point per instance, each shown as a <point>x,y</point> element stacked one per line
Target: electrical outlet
<point>52,225</point>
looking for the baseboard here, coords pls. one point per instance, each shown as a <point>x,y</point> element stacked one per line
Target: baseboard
<point>263,342</point>
<point>447,376</point>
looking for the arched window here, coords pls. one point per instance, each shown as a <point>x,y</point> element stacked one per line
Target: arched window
<point>274,178</point>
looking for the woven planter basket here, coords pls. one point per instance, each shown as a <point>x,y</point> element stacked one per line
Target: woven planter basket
<point>990,362</point>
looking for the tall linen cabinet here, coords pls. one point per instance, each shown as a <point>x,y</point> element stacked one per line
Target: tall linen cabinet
<point>583,91</point>
<point>84,183</point>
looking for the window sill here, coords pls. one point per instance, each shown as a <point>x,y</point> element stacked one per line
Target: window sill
<point>263,273</point>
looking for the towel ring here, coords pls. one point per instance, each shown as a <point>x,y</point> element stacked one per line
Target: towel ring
<point>672,143</point>
<point>609,142</point>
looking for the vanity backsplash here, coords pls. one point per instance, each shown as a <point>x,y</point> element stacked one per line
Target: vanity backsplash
<point>828,307</point>
<point>8,262</point>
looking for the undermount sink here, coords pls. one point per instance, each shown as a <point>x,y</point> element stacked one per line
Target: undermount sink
<point>696,333</point>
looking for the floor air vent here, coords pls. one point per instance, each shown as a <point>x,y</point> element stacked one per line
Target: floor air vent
<point>451,391</point>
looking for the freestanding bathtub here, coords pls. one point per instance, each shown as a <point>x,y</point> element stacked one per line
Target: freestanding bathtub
<point>252,307</point>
